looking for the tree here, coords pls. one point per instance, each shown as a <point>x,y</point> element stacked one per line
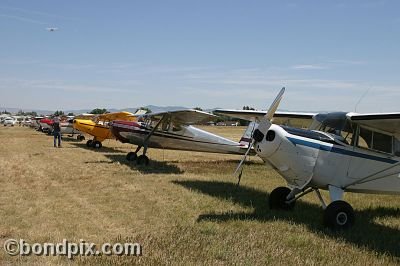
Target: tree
<point>58,113</point>
<point>6,112</point>
<point>70,114</point>
<point>99,111</point>
<point>198,109</point>
<point>145,109</point>
<point>248,108</point>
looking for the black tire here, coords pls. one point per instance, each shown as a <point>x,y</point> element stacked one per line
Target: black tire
<point>277,199</point>
<point>131,156</point>
<point>142,160</point>
<point>339,215</point>
<point>89,143</point>
<point>80,137</point>
<point>97,144</point>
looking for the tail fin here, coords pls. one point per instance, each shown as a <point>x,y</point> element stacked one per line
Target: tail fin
<point>246,138</point>
<point>140,112</point>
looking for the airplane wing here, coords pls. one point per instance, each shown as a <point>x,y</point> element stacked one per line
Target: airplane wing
<point>116,116</point>
<point>388,122</point>
<point>84,116</point>
<point>294,119</point>
<point>185,117</point>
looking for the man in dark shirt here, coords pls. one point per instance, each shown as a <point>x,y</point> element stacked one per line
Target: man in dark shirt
<point>56,132</point>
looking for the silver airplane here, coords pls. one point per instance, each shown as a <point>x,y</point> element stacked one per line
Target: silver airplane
<point>173,130</point>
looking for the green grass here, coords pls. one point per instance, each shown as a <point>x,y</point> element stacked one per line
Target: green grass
<point>185,208</point>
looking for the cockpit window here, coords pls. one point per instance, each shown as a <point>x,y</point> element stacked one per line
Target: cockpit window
<point>365,138</point>
<point>396,147</point>
<point>336,124</point>
<point>382,142</point>
<point>375,141</point>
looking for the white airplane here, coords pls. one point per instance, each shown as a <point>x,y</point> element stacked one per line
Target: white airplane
<point>338,152</point>
<point>174,130</point>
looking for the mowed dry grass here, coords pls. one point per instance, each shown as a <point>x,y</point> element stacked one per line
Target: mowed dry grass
<point>183,209</point>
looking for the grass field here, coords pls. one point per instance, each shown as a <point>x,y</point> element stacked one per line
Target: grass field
<point>183,209</point>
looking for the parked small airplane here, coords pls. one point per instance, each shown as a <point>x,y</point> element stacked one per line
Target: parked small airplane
<point>173,130</point>
<point>46,124</point>
<point>36,122</point>
<point>338,152</point>
<point>66,127</point>
<point>98,126</point>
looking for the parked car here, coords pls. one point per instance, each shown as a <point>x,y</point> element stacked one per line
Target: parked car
<point>9,121</point>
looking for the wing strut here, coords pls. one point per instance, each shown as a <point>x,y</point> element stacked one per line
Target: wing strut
<point>146,140</point>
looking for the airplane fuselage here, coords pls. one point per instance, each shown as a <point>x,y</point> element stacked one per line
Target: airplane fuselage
<point>99,132</point>
<point>308,158</point>
<point>187,138</point>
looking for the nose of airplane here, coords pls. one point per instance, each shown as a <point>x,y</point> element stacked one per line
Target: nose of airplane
<point>267,144</point>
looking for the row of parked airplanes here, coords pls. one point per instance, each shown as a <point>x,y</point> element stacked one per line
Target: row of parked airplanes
<point>337,151</point>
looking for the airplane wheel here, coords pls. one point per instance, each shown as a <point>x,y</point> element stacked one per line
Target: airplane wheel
<point>89,143</point>
<point>131,156</point>
<point>277,199</point>
<point>97,144</point>
<point>143,160</point>
<point>339,215</point>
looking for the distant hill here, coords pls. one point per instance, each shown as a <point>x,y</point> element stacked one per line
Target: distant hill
<point>153,108</point>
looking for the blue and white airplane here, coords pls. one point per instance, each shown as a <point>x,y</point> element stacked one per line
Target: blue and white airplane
<point>337,152</point>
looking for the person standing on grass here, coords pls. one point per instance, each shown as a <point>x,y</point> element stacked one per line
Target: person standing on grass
<point>56,132</point>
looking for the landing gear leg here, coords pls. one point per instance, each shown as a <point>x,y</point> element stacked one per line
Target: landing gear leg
<point>97,144</point>
<point>278,199</point>
<point>143,159</point>
<point>339,214</point>
<point>132,156</point>
<point>89,143</point>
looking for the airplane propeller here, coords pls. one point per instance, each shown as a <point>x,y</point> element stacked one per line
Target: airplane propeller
<point>259,133</point>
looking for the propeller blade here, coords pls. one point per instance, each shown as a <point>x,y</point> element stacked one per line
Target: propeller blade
<point>244,156</point>
<point>263,127</point>
<point>265,122</point>
<point>274,106</point>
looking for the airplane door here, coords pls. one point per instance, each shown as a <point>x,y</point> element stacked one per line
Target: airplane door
<point>365,160</point>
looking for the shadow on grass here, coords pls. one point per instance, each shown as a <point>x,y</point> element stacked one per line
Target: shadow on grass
<point>72,139</point>
<point>364,234</point>
<point>154,167</point>
<point>217,162</point>
<point>102,149</point>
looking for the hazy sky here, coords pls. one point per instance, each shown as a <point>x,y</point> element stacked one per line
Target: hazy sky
<point>217,53</point>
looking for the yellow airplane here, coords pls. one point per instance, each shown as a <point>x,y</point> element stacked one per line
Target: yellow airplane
<point>97,126</point>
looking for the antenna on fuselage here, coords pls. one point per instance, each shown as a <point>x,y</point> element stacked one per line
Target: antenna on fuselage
<point>362,97</point>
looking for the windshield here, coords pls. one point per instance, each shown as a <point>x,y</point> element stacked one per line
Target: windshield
<point>336,124</point>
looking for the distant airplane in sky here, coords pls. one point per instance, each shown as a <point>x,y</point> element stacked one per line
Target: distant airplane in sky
<point>51,29</point>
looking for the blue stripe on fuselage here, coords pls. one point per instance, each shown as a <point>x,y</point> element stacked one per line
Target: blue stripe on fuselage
<point>318,146</point>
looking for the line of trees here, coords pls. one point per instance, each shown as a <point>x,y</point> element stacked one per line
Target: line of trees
<point>99,111</point>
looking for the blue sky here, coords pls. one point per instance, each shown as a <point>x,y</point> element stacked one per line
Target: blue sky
<point>119,54</point>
